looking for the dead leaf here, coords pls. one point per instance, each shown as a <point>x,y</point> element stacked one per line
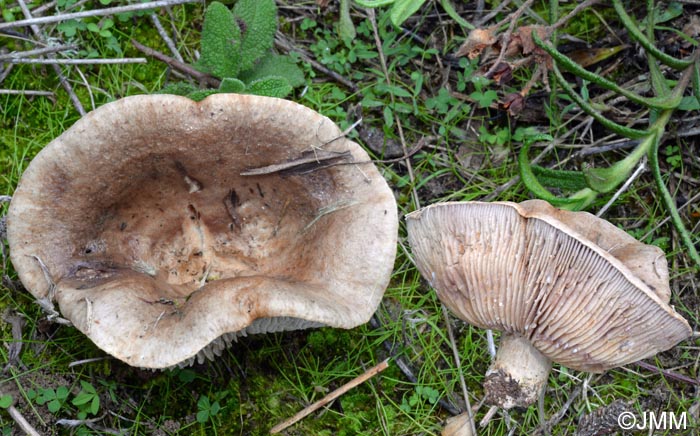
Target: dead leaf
<point>477,41</point>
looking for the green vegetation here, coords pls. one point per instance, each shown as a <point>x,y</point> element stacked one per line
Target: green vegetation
<point>597,124</point>
<point>236,49</point>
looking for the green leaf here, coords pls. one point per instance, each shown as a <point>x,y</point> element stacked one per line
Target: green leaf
<point>221,43</point>
<point>577,201</point>
<point>82,398</point>
<point>182,88</point>
<point>202,416</point>
<point>272,86</point>
<point>231,85</point>
<point>346,28</point>
<point>5,401</point>
<point>92,27</point>
<point>374,3</point>
<point>258,23</point>
<point>450,9</point>
<point>484,98</point>
<point>54,406</point>
<point>201,94</point>
<point>402,9</point>
<point>648,45</point>
<point>275,65</point>
<point>95,405</point>
<point>606,179</point>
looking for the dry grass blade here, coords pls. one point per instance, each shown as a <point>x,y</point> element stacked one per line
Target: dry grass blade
<point>332,396</point>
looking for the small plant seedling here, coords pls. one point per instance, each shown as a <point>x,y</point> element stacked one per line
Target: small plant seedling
<point>5,401</point>
<point>54,399</point>
<point>236,47</point>
<point>87,400</point>
<point>206,409</point>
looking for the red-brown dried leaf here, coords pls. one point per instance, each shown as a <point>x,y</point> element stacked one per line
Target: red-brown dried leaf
<point>514,103</point>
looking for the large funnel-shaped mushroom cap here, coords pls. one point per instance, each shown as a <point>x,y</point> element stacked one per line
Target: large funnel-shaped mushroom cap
<point>167,223</point>
<point>580,290</point>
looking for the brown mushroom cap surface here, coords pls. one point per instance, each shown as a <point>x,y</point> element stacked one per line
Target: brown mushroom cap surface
<point>580,290</point>
<point>158,245</point>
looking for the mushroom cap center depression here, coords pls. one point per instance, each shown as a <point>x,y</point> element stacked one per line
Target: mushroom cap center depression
<point>187,223</point>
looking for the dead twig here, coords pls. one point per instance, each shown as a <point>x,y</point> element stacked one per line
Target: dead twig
<point>30,21</point>
<point>382,60</point>
<point>202,78</point>
<point>332,396</point>
<point>55,61</point>
<point>57,69</point>
<point>37,52</point>
<point>283,43</point>
<point>26,92</point>
<point>458,364</point>
<point>168,41</point>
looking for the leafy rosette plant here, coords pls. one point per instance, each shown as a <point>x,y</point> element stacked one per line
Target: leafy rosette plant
<point>236,48</point>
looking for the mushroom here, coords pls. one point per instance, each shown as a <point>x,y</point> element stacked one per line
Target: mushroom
<point>562,286</point>
<point>165,228</point>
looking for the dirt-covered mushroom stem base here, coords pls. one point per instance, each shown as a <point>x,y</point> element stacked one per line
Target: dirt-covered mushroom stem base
<point>518,374</point>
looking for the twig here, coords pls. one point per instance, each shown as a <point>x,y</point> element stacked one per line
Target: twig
<point>202,78</point>
<point>168,41</point>
<point>382,60</point>
<point>92,13</point>
<point>332,396</point>
<point>91,360</point>
<point>61,78</point>
<point>581,6</point>
<point>458,363</point>
<point>38,51</point>
<point>26,92</point>
<point>282,42</point>
<point>669,374</point>
<point>554,420</point>
<point>405,367</point>
<point>55,61</point>
<point>22,422</point>
<point>640,169</point>
<point>505,37</point>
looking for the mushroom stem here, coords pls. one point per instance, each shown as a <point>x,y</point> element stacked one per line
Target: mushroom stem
<point>517,375</point>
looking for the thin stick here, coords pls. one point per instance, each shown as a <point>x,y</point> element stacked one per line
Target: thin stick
<point>84,361</point>
<point>22,422</point>
<point>38,51</point>
<point>180,66</point>
<point>168,41</point>
<point>382,60</point>
<point>330,397</point>
<point>61,78</point>
<point>26,92</point>
<point>77,61</point>
<point>93,13</point>
<point>458,363</point>
<point>640,169</point>
<point>282,42</point>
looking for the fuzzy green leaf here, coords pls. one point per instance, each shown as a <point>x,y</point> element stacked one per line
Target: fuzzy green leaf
<point>258,23</point>
<point>577,201</point>
<point>606,179</point>
<point>346,28</point>
<point>275,65</point>
<point>181,88</point>
<point>402,9</point>
<point>272,86</point>
<point>221,43</point>
<point>5,401</point>
<point>232,85</point>
<point>201,94</point>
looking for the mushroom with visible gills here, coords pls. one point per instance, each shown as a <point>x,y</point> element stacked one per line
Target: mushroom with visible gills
<point>165,228</point>
<point>561,286</point>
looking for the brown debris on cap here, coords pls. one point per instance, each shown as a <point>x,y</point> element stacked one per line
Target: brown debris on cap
<point>162,251</point>
<point>575,288</point>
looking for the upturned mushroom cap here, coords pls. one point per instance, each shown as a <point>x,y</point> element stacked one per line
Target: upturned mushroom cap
<point>167,224</point>
<point>580,290</point>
